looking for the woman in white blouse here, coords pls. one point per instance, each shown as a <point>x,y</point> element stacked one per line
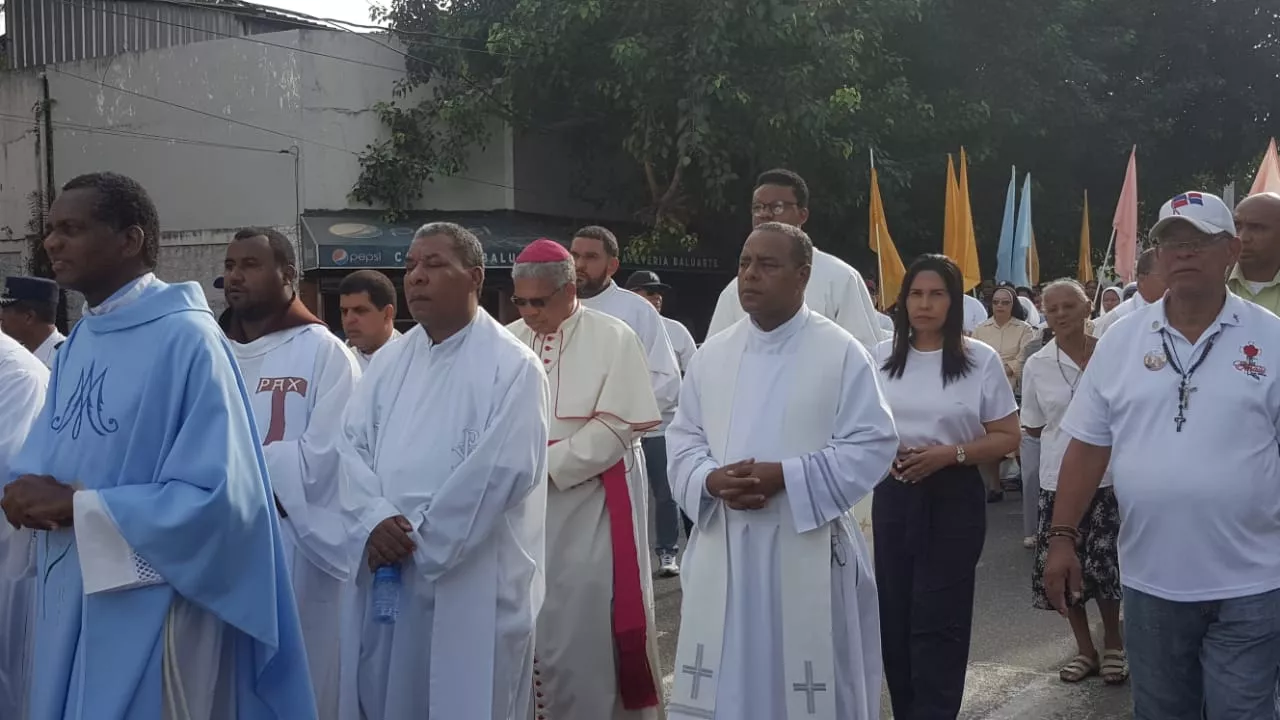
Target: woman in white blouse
<point>954,409</point>
<point>1048,385</point>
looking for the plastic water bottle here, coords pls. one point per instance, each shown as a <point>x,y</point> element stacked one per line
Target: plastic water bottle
<point>386,594</point>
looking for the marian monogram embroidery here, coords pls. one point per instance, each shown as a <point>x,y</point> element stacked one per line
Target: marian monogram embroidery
<point>466,446</point>
<point>85,406</point>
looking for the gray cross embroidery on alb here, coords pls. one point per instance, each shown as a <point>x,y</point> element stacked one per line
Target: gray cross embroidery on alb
<point>809,688</point>
<point>697,671</point>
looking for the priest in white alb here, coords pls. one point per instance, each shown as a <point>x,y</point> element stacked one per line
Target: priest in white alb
<point>23,380</point>
<point>782,427</point>
<point>597,650</point>
<point>299,377</point>
<point>444,468</point>
<point>596,259</point>
<point>836,290</point>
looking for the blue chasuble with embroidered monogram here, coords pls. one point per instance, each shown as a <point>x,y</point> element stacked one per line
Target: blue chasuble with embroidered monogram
<point>146,408</point>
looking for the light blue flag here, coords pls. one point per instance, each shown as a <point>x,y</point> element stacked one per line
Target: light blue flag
<point>1004,260</point>
<point>1022,238</point>
<point>146,409</point>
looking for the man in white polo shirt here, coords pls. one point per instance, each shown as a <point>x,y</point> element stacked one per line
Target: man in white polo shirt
<point>1185,406</point>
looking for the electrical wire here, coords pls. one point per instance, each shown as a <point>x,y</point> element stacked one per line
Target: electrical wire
<point>123,132</point>
<point>260,128</point>
<point>248,12</point>
<point>247,38</point>
<point>251,38</point>
<point>506,107</point>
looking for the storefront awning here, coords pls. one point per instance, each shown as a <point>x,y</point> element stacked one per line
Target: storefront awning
<point>363,239</point>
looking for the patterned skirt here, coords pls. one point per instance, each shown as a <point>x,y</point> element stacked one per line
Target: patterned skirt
<point>1097,549</point>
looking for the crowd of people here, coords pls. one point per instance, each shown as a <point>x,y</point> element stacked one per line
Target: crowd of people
<point>243,516</point>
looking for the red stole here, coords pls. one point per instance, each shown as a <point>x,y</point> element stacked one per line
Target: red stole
<point>636,684</point>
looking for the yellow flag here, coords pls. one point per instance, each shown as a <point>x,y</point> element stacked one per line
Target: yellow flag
<point>892,271</point>
<point>1033,262</point>
<point>951,245</point>
<point>1085,272</point>
<point>967,257</point>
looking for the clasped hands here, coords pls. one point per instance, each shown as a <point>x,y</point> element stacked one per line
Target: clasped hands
<point>389,543</point>
<point>746,484</point>
<point>914,464</point>
<point>38,502</point>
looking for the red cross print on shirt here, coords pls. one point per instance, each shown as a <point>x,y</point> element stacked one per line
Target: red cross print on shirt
<point>279,389</point>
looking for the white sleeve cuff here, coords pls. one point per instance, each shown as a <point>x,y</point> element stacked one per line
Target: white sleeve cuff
<point>805,518</point>
<point>379,509</point>
<point>106,560</point>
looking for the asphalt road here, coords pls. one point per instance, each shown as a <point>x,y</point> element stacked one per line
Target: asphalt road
<point>1017,650</point>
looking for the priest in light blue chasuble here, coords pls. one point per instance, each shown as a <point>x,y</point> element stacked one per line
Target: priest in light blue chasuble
<point>161,588</point>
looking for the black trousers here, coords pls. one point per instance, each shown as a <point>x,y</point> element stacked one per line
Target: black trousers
<point>928,538</point>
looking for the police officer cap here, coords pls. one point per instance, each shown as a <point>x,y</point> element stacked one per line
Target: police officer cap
<point>29,289</point>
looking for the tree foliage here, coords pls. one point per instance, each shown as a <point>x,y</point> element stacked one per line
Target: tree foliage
<point>676,105</point>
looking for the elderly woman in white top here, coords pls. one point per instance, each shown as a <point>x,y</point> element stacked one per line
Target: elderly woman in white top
<point>1048,385</point>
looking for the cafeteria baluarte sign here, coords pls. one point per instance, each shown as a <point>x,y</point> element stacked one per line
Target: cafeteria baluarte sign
<point>364,245</point>
<point>352,245</point>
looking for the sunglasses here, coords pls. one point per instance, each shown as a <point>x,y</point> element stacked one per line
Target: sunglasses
<point>533,302</point>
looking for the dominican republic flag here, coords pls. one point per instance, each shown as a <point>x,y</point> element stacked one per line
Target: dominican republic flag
<point>1188,199</point>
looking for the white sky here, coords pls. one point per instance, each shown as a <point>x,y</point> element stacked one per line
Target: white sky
<point>348,10</point>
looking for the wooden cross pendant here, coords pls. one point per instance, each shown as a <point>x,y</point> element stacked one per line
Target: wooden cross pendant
<point>1184,401</point>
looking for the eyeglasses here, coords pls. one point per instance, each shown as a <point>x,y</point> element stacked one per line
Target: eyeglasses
<point>1197,245</point>
<point>533,302</point>
<point>773,209</point>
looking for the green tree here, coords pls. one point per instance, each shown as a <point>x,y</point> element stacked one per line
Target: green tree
<point>683,102</point>
<point>1064,88</point>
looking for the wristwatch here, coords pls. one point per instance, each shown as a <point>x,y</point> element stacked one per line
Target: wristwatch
<point>960,455</point>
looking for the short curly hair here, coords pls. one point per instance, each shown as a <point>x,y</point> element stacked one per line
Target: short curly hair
<point>122,202</point>
<point>465,243</point>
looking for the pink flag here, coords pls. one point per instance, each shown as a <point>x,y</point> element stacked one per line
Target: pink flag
<point>1268,179</point>
<point>1126,222</point>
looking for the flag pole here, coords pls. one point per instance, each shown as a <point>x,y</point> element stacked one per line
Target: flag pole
<point>879,250</point>
<point>1106,258</point>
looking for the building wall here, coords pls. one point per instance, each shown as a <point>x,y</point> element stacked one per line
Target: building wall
<point>224,134</point>
<point>12,259</point>
<point>21,169</point>
<point>250,131</point>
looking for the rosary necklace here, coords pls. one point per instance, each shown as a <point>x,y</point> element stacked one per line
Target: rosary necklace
<point>1063,371</point>
<point>1184,385</point>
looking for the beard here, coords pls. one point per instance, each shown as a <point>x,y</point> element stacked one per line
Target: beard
<point>591,286</point>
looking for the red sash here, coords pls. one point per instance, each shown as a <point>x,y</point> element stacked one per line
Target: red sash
<point>636,685</point>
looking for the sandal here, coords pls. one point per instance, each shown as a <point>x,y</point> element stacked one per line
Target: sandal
<point>1115,667</point>
<point>1080,667</point>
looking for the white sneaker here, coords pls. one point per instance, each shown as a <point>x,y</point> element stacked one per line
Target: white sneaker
<point>1028,542</point>
<point>667,565</point>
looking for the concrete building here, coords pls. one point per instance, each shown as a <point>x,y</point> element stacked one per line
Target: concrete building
<point>265,129</point>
